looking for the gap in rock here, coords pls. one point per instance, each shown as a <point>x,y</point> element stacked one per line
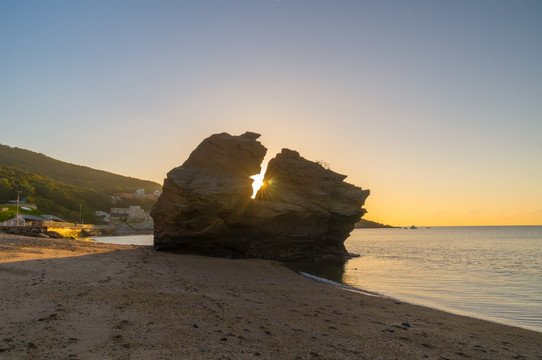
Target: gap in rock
<point>258,181</point>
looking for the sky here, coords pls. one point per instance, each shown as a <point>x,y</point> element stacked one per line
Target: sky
<point>435,106</point>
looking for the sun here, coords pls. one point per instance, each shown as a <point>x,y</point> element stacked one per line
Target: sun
<point>257,183</point>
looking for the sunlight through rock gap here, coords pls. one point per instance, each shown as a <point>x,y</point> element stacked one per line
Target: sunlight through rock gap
<point>258,181</point>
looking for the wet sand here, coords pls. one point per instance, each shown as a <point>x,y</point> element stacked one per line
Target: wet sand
<point>69,299</point>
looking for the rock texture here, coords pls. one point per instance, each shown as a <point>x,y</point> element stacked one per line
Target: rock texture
<point>211,190</point>
<point>302,211</point>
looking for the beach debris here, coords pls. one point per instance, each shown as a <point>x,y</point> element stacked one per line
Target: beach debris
<point>303,210</point>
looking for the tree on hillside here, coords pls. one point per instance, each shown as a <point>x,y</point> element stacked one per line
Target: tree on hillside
<point>5,189</point>
<point>60,199</point>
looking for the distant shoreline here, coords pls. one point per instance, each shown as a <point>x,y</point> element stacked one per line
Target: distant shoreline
<point>368,224</point>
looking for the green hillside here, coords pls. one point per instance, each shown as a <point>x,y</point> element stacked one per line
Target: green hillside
<point>51,196</point>
<point>76,175</point>
<point>62,189</point>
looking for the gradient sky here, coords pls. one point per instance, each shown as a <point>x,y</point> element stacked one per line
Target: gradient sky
<point>435,106</point>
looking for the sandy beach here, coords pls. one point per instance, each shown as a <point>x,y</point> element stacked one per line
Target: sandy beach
<point>70,299</point>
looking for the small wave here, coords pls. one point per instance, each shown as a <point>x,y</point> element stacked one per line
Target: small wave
<point>334,283</point>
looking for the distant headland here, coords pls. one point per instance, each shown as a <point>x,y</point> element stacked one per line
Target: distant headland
<point>368,224</point>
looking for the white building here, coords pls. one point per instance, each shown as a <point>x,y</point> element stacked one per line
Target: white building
<point>131,213</point>
<point>103,215</point>
<point>16,221</point>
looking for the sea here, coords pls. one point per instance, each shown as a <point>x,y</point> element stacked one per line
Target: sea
<point>486,272</point>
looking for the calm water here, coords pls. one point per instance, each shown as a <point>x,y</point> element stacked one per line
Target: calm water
<point>126,239</point>
<point>493,273</point>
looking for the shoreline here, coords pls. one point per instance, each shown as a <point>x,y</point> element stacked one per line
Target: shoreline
<point>300,270</point>
<point>429,304</point>
<point>383,296</point>
<point>86,300</point>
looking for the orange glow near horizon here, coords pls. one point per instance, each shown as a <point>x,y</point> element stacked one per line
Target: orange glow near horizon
<point>395,213</point>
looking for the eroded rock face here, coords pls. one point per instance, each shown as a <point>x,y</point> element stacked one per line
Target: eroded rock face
<point>208,192</point>
<point>302,211</point>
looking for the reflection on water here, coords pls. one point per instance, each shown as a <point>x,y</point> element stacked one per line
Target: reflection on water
<point>126,239</point>
<point>492,273</point>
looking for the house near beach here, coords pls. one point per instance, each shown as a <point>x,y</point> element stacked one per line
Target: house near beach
<point>134,212</point>
<point>30,220</point>
<point>23,203</point>
<point>138,194</point>
<point>104,215</point>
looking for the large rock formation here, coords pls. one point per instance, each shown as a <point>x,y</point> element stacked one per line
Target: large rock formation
<point>302,211</point>
<point>210,191</point>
